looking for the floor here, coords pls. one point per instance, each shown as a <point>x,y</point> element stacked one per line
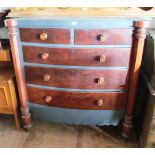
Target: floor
<point>53,135</point>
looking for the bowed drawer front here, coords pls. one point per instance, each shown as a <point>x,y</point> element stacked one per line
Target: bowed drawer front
<point>96,101</point>
<point>77,56</point>
<point>77,70</point>
<point>76,78</point>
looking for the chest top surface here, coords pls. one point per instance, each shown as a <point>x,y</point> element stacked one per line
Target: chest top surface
<point>92,22</point>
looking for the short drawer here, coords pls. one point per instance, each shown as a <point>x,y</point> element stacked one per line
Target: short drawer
<point>45,35</point>
<point>103,37</point>
<point>76,78</point>
<point>77,57</point>
<point>77,100</point>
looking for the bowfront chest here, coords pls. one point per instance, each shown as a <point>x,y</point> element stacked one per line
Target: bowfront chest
<point>77,70</point>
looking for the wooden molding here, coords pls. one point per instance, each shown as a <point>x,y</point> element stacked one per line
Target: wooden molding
<point>11,24</point>
<point>134,70</point>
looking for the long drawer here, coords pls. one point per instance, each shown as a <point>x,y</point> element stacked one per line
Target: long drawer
<point>103,36</point>
<point>76,78</point>
<point>77,100</point>
<point>45,35</point>
<point>77,56</point>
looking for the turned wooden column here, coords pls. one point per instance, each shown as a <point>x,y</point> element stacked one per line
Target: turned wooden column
<point>139,36</point>
<point>26,116</point>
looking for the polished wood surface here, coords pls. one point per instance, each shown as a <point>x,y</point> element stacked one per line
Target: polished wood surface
<point>111,100</point>
<point>5,99</point>
<point>54,35</point>
<point>103,36</point>
<point>77,57</point>
<point>77,78</point>
<point>5,55</point>
<point>26,116</point>
<point>134,70</point>
<point>6,73</point>
<point>8,97</point>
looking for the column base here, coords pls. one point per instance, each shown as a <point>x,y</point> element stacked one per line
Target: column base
<point>127,127</point>
<point>26,118</point>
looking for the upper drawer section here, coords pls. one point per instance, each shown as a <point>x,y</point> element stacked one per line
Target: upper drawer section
<point>45,35</point>
<point>103,36</point>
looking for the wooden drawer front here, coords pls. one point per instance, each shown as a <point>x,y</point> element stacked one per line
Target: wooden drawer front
<point>76,78</point>
<point>5,98</point>
<point>103,37</point>
<point>54,35</point>
<point>77,57</point>
<point>106,101</point>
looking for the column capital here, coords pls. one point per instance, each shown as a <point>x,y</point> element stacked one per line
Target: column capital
<point>11,23</point>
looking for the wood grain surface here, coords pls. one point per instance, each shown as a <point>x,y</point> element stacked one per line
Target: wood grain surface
<point>111,101</point>
<point>112,36</point>
<point>76,78</point>
<point>55,35</point>
<point>77,57</point>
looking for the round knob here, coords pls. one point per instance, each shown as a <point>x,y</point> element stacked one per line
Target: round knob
<point>102,38</point>
<point>102,58</point>
<point>100,80</point>
<point>44,56</point>
<point>46,77</point>
<point>48,99</point>
<point>43,36</point>
<point>100,102</point>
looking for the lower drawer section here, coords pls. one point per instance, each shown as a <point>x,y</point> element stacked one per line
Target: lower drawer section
<point>77,100</point>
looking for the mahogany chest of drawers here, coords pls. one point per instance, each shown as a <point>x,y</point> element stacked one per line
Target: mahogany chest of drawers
<point>77,70</point>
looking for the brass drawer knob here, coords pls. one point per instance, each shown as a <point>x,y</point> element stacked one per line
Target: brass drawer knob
<point>48,99</point>
<point>100,102</point>
<point>44,56</point>
<point>102,37</point>
<point>100,80</point>
<point>46,77</point>
<point>43,36</point>
<point>102,58</point>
